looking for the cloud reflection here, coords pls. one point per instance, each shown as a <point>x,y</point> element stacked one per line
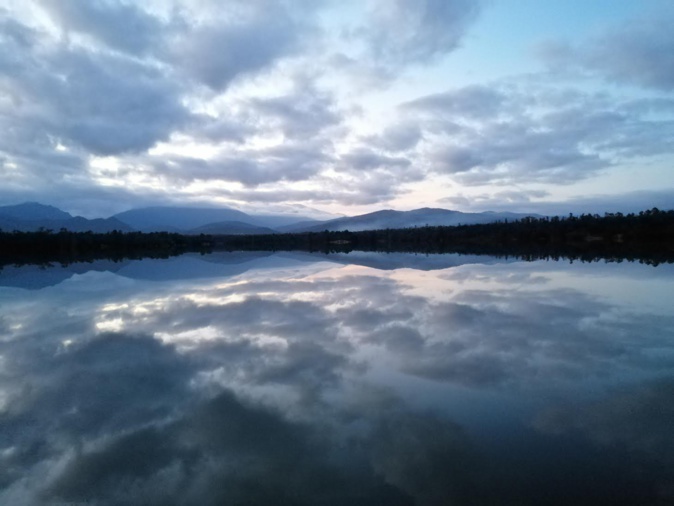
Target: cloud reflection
<point>316,386</point>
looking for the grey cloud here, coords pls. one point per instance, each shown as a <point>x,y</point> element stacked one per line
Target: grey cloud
<point>218,52</point>
<point>14,33</point>
<point>470,102</point>
<point>103,103</point>
<point>362,73</point>
<point>495,201</point>
<point>112,113</point>
<point>520,156</point>
<point>81,96</point>
<point>374,176</point>
<point>529,141</point>
<point>280,195</point>
<point>371,188</point>
<point>364,159</point>
<point>398,137</point>
<point>220,129</point>
<point>375,188</point>
<point>401,32</point>
<point>457,160</point>
<point>117,24</point>
<point>522,201</point>
<point>637,52</point>
<point>252,167</point>
<point>306,117</point>
<point>302,114</point>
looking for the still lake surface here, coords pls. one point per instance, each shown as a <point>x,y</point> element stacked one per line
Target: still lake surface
<point>299,379</point>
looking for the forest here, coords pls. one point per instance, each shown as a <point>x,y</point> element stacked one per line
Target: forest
<point>66,247</point>
<point>647,236</point>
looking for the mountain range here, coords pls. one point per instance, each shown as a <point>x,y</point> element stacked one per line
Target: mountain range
<point>33,216</point>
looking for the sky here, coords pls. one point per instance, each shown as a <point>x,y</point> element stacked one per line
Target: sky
<point>326,107</point>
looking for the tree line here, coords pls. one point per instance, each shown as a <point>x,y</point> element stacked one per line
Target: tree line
<point>66,247</point>
<point>647,236</point>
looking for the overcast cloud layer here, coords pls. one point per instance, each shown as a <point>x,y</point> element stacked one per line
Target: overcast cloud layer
<point>341,106</point>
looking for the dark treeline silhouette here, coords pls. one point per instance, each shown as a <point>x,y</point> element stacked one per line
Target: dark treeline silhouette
<point>647,237</point>
<point>66,247</point>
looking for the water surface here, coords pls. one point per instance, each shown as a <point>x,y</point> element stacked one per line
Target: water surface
<point>254,378</point>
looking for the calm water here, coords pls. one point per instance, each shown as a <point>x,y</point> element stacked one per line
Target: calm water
<point>328,380</point>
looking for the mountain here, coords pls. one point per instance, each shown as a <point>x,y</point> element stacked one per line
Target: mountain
<point>279,221</point>
<point>31,217</point>
<point>178,219</point>
<point>190,219</point>
<point>231,228</point>
<point>33,211</point>
<point>406,219</point>
<point>98,225</point>
<point>300,226</point>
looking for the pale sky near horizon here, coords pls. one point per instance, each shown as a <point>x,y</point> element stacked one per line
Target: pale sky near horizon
<point>342,107</point>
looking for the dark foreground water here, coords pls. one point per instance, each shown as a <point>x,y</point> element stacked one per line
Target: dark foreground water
<point>291,379</point>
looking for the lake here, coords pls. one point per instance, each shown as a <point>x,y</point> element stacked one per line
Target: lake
<point>361,378</point>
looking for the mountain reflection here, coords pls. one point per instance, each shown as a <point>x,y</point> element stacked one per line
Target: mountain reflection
<point>292,382</point>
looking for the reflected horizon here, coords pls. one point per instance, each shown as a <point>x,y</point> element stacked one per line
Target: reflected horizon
<point>300,379</point>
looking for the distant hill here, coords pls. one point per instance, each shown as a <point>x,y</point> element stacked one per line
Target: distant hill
<point>231,228</point>
<point>33,211</point>
<point>406,219</point>
<point>31,217</point>
<point>187,219</point>
<point>300,226</point>
<point>279,221</point>
<point>178,219</point>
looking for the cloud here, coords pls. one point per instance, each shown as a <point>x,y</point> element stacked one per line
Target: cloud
<point>100,103</point>
<point>249,166</point>
<point>471,102</point>
<point>506,135</point>
<point>304,122</point>
<point>636,53</point>
<point>214,53</point>
<point>126,81</point>
<point>506,198</point>
<point>253,100</point>
<point>528,201</point>
<point>119,25</point>
<point>397,137</point>
<point>402,32</point>
<point>364,159</point>
<point>304,113</point>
